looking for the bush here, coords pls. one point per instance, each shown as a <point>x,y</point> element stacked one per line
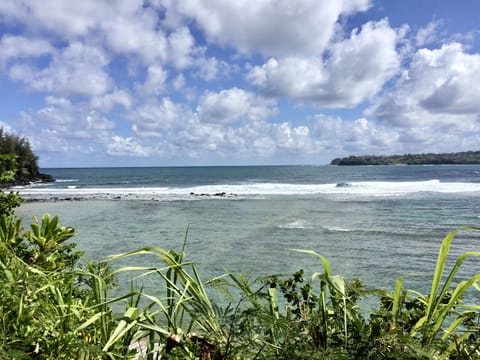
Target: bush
<point>56,305</point>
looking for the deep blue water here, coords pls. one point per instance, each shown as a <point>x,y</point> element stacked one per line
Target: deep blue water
<point>191,176</point>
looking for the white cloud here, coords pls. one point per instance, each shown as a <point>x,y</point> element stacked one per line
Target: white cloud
<point>260,26</point>
<point>233,105</point>
<point>58,102</point>
<point>360,66</point>
<point>207,79</point>
<point>335,135</point>
<point>211,68</point>
<point>231,123</point>
<point>135,33</point>
<point>107,102</point>
<point>433,105</point>
<point>428,34</point>
<point>62,127</point>
<point>154,83</point>
<point>125,26</point>
<point>181,45</point>
<point>66,18</point>
<point>356,69</point>
<point>291,77</point>
<point>158,118</point>
<point>21,47</point>
<point>121,146</point>
<point>455,89</point>
<point>77,70</point>
<point>440,86</point>
<point>293,139</point>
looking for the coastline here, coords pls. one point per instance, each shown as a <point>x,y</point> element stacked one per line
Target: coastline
<point>458,158</point>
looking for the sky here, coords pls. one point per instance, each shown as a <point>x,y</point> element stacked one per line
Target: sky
<point>244,82</point>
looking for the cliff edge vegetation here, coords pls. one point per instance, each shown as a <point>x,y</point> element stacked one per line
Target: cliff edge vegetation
<point>458,158</point>
<point>18,163</point>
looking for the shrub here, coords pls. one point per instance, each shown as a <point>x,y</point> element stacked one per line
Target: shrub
<point>54,304</point>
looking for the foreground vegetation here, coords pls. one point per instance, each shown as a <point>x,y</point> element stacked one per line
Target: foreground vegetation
<point>55,304</point>
<point>467,157</point>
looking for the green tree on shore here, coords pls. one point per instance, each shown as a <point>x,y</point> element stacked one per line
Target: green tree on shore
<point>17,155</point>
<point>8,199</point>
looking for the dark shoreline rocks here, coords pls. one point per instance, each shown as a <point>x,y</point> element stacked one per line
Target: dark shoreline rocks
<point>23,180</point>
<point>219,194</point>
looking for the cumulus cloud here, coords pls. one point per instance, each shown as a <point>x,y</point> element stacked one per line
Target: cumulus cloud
<point>62,127</point>
<point>228,123</point>
<point>154,83</point>
<point>121,146</point>
<point>21,47</point>
<point>339,136</point>
<point>135,33</point>
<point>233,105</point>
<point>233,79</point>
<point>157,118</point>
<point>433,104</point>
<point>67,18</point>
<point>260,26</point>
<point>118,97</point>
<point>439,86</point>
<point>181,45</point>
<point>356,69</point>
<point>77,70</point>
<point>125,26</point>
<point>456,88</point>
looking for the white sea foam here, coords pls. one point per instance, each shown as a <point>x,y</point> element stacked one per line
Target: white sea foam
<point>337,229</point>
<point>251,190</point>
<point>297,224</point>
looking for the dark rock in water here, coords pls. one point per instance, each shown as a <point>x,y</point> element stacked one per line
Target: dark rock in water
<point>343,184</point>
<point>24,180</point>
<point>45,178</point>
<point>219,194</point>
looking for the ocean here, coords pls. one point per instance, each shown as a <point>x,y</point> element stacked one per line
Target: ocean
<point>374,223</point>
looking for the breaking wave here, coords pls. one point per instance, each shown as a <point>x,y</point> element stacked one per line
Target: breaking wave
<point>297,224</point>
<point>247,190</point>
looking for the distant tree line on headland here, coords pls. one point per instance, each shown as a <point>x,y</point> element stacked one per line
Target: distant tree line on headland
<point>18,163</point>
<point>467,157</point>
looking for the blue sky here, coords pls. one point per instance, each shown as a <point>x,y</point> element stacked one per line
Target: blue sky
<point>218,82</point>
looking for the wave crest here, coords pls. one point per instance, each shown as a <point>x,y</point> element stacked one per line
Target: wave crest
<point>248,190</point>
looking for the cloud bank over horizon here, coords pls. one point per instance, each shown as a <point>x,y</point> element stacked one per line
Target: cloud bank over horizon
<point>214,82</point>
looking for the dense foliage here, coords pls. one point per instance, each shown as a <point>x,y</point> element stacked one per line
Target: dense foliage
<point>18,166</point>
<point>468,157</point>
<point>8,200</point>
<point>54,305</point>
<point>18,161</point>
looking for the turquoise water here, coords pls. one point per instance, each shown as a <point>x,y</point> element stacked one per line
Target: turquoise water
<point>375,223</point>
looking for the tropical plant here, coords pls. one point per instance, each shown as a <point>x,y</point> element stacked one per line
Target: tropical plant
<point>8,201</point>
<point>55,304</point>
